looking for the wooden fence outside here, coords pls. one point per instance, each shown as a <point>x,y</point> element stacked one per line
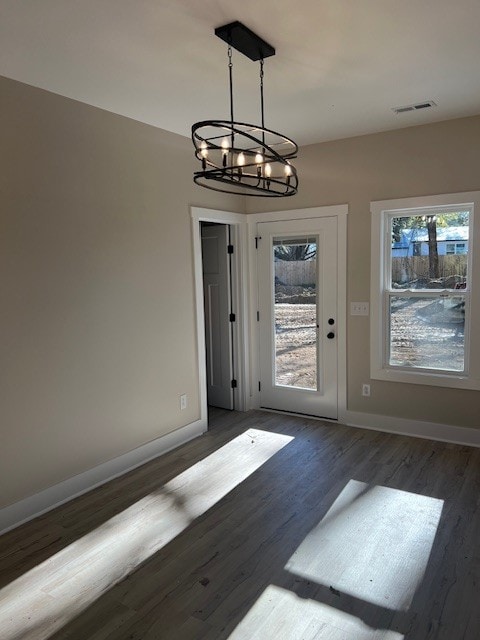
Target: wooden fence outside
<point>417,267</point>
<point>296,272</point>
<point>303,272</point>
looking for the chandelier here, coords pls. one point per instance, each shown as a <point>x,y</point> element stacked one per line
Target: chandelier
<point>242,158</point>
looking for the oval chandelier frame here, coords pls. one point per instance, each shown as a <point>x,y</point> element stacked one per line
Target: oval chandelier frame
<point>249,165</point>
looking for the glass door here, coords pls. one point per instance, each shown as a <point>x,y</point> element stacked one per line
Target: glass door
<point>297,303</point>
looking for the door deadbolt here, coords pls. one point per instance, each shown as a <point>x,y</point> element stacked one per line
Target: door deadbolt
<point>330,335</point>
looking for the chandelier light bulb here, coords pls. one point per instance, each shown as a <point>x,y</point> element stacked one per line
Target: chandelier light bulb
<point>259,161</point>
<point>225,151</point>
<point>268,174</point>
<point>288,173</point>
<point>204,154</point>
<point>241,163</point>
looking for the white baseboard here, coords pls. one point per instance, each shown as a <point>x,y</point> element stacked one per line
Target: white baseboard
<point>415,428</point>
<point>16,514</point>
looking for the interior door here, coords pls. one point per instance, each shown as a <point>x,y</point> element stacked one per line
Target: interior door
<point>217,305</point>
<point>297,267</point>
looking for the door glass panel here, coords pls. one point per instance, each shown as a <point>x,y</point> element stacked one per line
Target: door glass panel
<point>427,332</point>
<point>295,312</point>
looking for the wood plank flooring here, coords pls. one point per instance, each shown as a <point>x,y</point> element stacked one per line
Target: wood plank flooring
<point>268,526</point>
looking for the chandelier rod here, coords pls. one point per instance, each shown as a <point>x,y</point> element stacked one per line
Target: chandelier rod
<point>261,103</point>
<point>261,94</point>
<point>230,77</point>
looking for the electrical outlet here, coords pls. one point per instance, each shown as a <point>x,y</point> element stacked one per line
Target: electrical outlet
<point>365,390</point>
<point>183,401</point>
<point>359,308</point>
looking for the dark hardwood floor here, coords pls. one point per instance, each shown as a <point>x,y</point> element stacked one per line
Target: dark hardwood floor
<point>268,526</point>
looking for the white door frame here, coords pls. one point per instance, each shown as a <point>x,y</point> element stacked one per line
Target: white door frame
<point>238,226</point>
<point>340,212</point>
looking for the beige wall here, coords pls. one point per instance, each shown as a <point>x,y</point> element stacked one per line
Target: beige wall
<point>97,300</point>
<point>438,158</point>
<point>98,330</point>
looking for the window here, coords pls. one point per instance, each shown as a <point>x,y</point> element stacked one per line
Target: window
<point>417,248</point>
<point>423,301</point>
<point>455,248</point>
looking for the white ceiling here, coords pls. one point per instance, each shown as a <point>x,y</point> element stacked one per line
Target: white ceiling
<point>341,65</point>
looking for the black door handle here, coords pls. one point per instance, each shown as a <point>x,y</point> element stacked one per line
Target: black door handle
<point>330,335</point>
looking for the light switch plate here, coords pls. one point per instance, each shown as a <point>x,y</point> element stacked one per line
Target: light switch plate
<point>359,308</point>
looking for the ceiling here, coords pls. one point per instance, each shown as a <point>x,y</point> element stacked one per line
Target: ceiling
<point>341,65</point>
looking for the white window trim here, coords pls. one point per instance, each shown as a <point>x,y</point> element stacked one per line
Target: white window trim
<point>378,325</point>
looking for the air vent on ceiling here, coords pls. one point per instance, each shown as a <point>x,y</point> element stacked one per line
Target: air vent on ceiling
<point>415,107</point>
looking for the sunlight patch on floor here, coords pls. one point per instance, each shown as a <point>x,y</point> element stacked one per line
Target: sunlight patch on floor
<point>359,570</point>
<point>280,614</point>
<point>374,543</point>
<point>46,598</point>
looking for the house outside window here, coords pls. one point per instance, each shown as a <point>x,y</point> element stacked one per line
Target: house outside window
<point>423,295</point>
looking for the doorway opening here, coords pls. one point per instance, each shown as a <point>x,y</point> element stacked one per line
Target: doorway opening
<point>219,314</point>
<point>221,276</point>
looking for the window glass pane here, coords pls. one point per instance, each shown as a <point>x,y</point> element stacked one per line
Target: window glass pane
<point>295,270</point>
<point>427,332</point>
<point>430,252</point>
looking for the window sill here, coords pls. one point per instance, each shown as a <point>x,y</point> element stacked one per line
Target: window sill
<point>427,378</point>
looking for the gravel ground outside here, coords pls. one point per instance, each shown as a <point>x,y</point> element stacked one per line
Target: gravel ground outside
<point>295,343</point>
<point>422,336</point>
